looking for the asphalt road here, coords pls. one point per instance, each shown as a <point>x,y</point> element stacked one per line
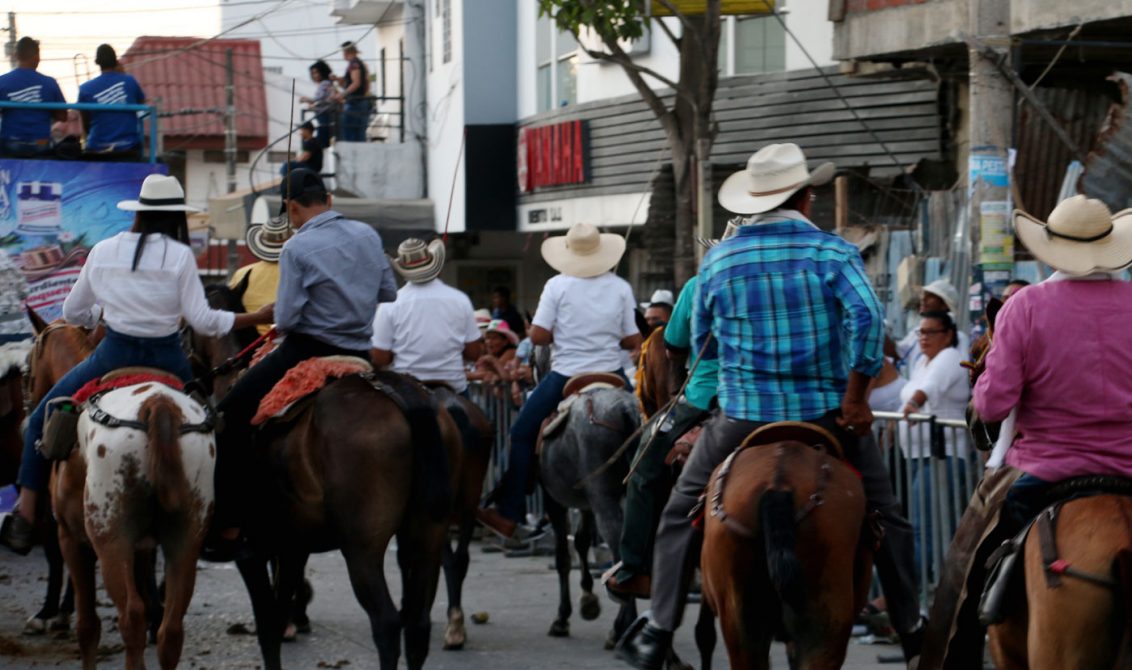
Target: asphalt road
<point>520,596</point>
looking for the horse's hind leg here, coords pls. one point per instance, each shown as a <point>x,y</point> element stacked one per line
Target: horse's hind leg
<point>419,550</point>
<point>118,560</point>
<point>81,561</point>
<point>180,579</point>
<point>705,636</point>
<point>588,604</point>
<point>455,571</point>
<point>53,615</point>
<point>264,608</point>
<point>367,576</point>
<point>562,563</point>
<point>145,576</point>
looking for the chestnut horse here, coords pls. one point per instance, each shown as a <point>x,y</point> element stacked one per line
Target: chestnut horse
<point>1083,622</point>
<point>124,490</point>
<point>653,390</point>
<point>783,554</point>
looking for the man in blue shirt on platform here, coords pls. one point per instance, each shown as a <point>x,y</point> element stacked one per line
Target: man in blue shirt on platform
<point>789,312</point>
<point>111,135</point>
<point>27,132</point>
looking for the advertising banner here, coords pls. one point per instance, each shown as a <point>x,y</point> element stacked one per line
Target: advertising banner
<point>53,212</point>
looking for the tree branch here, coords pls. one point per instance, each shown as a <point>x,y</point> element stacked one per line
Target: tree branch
<point>623,59</point>
<point>668,31</point>
<point>688,26</point>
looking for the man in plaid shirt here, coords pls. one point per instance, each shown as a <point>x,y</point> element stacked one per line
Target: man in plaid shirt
<point>798,331</point>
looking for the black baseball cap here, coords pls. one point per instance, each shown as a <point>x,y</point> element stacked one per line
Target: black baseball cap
<point>300,181</point>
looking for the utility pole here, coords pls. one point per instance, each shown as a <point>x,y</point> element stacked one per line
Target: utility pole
<point>230,148</point>
<point>991,105</point>
<point>10,47</point>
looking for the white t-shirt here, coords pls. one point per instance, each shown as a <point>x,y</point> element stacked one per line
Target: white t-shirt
<point>588,318</point>
<point>945,383</point>
<point>426,328</point>
<point>149,301</point>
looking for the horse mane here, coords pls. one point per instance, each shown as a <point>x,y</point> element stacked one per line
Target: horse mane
<point>164,468</point>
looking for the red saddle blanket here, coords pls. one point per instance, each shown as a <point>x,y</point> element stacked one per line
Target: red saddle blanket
<point>102,384</point>
<point>303,380</point>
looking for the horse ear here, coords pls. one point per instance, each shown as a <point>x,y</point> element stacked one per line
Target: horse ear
<point>993,306</point>
<point>642,325</point>
<point>242,286</point>
<point>38,325</point>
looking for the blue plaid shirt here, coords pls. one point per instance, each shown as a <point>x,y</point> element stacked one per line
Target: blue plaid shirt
<point>791,311</point>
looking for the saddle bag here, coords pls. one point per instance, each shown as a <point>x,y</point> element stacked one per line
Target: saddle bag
<point>60,429</point>
<point>998,589</point>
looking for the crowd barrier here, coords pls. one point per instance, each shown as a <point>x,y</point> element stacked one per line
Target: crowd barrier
<point>933,467</point>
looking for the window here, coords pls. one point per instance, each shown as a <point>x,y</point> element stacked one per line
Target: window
<point>752,45</point>
<point>446,20</point>
<point>556,57</point>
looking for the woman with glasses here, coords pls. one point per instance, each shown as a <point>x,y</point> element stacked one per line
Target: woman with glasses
<point>937,385</point>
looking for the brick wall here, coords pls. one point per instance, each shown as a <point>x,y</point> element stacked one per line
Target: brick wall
<point>855,6</point>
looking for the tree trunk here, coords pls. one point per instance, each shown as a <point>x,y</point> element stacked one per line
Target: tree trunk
<point>683,182</point>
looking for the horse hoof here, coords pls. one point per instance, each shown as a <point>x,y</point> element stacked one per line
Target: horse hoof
<point>455,635</point>
<point>559,629</point>
<point>35,626</point>
<point>290,633</point>
<point>60,623</point>
<point>589,606</point>
<point>610,641</point>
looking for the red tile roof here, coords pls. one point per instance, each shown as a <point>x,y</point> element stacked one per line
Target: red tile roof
<point>188,73</point>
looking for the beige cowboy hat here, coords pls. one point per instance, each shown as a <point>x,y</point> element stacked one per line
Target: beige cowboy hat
<point>265,240</point>
<point>583,251</point>
<point>418,262</point>
<point>773,174</point>
<point>159,194</point>
<point>1081,237</point>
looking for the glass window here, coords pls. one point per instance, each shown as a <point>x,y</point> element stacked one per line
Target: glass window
<point>724,38</point>
<point>565,44</point>
<point>544,88</point>
<point>760,45</point>
<point>567,81</point>
<point>542,39</point>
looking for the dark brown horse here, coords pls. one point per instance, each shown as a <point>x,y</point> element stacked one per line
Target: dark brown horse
<point>368,459</point>
<point>783,552</point>
<point>1081,622</point>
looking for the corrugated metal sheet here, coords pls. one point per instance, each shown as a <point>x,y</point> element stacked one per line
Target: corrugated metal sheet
<point>1042,157</point>
<point>188,73</point>
<point>1108,169</point>
<point>627,143</point>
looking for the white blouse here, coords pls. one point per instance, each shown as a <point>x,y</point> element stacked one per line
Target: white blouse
<point>149,301</point>
<point>945,383</point>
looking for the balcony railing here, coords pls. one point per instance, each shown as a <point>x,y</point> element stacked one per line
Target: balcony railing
<point>143,112</point>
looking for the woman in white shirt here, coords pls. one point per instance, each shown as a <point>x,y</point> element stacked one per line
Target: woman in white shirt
<point>141,284</point>
<point>938,386</point>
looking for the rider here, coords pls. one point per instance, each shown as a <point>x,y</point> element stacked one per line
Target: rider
<point>1060,356</point>
<point>650,483</point>
<point>332,275</point>
<point>431,328</point>
<point>265,241</point>
<point>587,314</point>
<point>140,283</point>
<point>798,330</point>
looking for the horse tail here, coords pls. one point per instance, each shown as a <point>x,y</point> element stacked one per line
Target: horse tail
<point>776,516</point>
<point>432,484</point>
<point>164,467</point>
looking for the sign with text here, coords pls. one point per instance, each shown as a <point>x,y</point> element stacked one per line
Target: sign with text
<point>553,155</point>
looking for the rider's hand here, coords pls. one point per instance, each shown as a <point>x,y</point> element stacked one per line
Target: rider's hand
<point>856,417</point>
<point>265,314</point>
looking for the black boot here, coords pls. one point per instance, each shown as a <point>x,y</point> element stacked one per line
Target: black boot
<point>17,534</point>
<point>912,642</point>
<point>644,646</point>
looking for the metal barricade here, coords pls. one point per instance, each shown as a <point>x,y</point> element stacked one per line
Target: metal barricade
<point>495,401</point>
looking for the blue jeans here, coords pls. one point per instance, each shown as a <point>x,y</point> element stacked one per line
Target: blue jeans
<point>25,148</point>
<point>512,497</point>
<point>324,129</point>
<point>922,487</point>
<point>355,118</point>
<point>115,351</point>
<point>1026,499</point>
<point>292,165</point>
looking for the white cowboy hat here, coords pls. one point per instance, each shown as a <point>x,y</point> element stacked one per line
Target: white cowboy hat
<point>660,297</point>
<point>265,240</point>
<point>1082,236</point>
<point>773,174</point>
<point>417,262</point>
<point>159,194</point>
<point>946,293</point>
<point>583,251</point>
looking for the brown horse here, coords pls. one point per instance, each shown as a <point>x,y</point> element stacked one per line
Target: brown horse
<point>783,553</point>
<point>653,389</point>
<point>1081,622</point>
<point>13,359</point>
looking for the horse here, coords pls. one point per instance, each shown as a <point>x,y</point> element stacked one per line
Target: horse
<point>653,376</point>
<point>574,473</point>
<point>786,548</point>
<point>477,433</point>
<point>13,361</point>
<point>125,490</point>
<point>1080,618</point>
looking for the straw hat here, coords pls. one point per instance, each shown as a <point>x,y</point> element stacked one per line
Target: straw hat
<point>265,240</point>
<point>483,318</point>
<point>500,327</point>
<point>660,297</point>
<point>946,293</point>
<point>417,262</point>
<point>1081,237</point>
<point>773,174</point>
<point>159,194</point>
<point>583,251</point>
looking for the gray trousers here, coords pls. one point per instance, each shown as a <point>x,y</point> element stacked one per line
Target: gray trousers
<point>677,543</point>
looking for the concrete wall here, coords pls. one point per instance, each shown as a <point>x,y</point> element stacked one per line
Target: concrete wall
<point>446,120</point>
<point>380,170</point>
<point>208,180</point>
<point>898,29</point>
<point>1028,15</point>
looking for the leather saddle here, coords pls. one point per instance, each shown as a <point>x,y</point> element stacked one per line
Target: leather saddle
<point>795,431</point>
<point>591,380</point>
<point>138,370</point>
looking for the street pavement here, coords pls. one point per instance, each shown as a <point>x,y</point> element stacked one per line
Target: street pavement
<point>519,595</point>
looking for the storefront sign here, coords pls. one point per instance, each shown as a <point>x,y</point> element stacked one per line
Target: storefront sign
<point>554,155</point>
<point>603,211</point>
<point>697,7</point>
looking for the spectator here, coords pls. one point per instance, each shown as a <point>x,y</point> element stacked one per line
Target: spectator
<point>310,154</point>
<point>1014,286</point>
<point>27,132</point>
<point>356,104</point>
<point>111,135</point>
<point>658,310</point>
<point>494,366</point>
<point>501,308</point>
<point>67,136</point>
<point>322,104</point>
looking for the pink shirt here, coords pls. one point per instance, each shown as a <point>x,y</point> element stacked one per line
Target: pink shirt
<point>1062,354</point>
